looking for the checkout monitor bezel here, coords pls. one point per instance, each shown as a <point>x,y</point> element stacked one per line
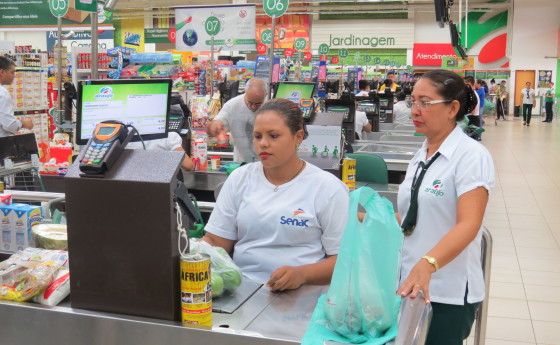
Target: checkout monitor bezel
<point>145,136</point>
<point>295,83</point>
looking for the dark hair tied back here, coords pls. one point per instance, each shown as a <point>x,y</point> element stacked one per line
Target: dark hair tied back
<point>450,86</point>
<point>290,111</point>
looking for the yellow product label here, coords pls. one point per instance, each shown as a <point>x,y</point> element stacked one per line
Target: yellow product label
<point>349,172</point>
<point>196,292</point>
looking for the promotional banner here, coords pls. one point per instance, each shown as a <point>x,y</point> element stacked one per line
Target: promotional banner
<point>80,39</point>
<point>159,35</point>
<point>296,26</point>
<point>36,13</point>
<point>430,54</point>
<point>456,63</point>
<point>545,77</point>
<point>237,28</point>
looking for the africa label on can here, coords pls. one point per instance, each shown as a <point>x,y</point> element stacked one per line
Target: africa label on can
<point>196,291</point>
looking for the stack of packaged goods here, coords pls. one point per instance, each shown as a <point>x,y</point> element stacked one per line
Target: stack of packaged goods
<point>17,221</point>
<point>56,156</point>
<point>84,61</point>
<point>199,107</point>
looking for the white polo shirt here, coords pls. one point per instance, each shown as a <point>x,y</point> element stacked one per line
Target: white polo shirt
<point>360,122</point>
<point>464,164</point>
<point>528,95</point>
<point>297,225</point>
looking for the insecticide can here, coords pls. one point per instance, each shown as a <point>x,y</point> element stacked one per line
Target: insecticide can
<point>349,173</point>
<point>196,291</point>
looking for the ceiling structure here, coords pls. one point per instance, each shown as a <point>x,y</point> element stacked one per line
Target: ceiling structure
<point>137,8</point>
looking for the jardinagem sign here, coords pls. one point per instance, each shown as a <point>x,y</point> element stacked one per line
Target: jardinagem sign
<point>361,41</point>
<point>355,34</point>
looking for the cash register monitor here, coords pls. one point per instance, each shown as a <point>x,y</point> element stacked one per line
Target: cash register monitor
<point>143,103</point>
<point>294,91</point>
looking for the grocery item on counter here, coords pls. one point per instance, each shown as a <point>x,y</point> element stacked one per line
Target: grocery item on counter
<point>5,199</point>
<point>50,236</point>
<point>221,265</point>
<point>22,285</point>
<point>57,291</point>
<point>16,222</point>
<point>29,272</point>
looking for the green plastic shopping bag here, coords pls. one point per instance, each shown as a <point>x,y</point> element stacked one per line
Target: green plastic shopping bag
<point>361,306</point>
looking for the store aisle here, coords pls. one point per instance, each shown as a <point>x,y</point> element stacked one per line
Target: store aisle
<point>524,219</point>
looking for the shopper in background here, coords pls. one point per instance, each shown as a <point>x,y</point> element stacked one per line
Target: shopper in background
<point>549,102</point>
<point>282,218</point>
<point>238,116</point>
<point>442,201</point>
<point>173,142</point>
<point>529,102</point>
<point>363,85</point>
<point>501,94</point>
<point>474,116</point>
<point>492,86</point>
<point>393,85</point>
<point>401,111</point>
<point>481,92</point>
<point>8,123</point>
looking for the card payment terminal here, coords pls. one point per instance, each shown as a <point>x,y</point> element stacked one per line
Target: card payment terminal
<point>105,146</point>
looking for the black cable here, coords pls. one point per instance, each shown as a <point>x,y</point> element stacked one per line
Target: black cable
<point>139,136</point>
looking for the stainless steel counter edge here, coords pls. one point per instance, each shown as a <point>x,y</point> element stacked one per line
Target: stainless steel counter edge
<point>25,323</point>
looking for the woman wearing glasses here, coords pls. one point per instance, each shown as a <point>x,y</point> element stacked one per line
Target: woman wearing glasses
<point>442,203</point>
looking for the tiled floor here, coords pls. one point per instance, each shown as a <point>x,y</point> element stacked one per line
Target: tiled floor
<point>523,217</point>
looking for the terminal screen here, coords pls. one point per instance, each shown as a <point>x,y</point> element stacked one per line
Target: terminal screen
<point>295,92</point>
<point>142,105</point>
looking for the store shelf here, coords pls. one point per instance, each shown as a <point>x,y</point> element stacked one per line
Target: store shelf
<point>88,70</point>
<point>40,69</point>
<point>30,109</point>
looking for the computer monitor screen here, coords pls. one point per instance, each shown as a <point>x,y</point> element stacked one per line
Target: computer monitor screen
<point>142,103</point>
<point>294,91</point>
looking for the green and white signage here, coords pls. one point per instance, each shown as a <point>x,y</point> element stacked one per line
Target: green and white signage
<point>377,61</point>
<point>43,14</point>
<point>343,53</point>
<point>86,5</point>
<point>275,8</point>
<point>212,26</point>
<point>323,49</point>
<point>300,44</point>
<point>266,36</point>
<point>367,58</point>
<point>59,8</point>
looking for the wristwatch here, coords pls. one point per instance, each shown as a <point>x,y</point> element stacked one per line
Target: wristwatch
<point>432,261</point>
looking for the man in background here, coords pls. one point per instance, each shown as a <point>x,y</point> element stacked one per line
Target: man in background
<point>501,94</point>
<point>393,85</point>
<point>238,115</point>
<point>9,125</point>
<point>549,101</point>
<point>529,102</point>
<point>401,112</point>
<point>363,85</point>
<point>481,91</point>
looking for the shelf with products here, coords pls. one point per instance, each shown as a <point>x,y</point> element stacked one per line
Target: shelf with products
<point>81,63</point>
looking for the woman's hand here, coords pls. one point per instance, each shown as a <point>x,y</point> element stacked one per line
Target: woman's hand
<point>286,278</point>
<point>418,279</point>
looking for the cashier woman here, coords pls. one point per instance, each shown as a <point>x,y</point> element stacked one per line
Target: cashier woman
<point>282,218</point>
<point>442,201</point>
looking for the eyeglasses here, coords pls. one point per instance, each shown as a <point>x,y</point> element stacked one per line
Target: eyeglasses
<point>425,104</point>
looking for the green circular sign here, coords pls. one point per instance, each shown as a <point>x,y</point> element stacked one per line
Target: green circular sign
<point>387,62</point>
<point>367,58</point>
<point>323,49</point>
<point>300,44</point>
<point>343,53</point>
<point>266,36</point>
<point>377,61</point>
<point>398,65</point>
<point>59,7</point>
<point>275,8</point>
<point>212,26</point>
<point>357,56</point>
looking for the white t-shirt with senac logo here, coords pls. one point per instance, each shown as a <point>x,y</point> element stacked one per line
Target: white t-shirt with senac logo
<point>464,165</point>
<point>297,225</point>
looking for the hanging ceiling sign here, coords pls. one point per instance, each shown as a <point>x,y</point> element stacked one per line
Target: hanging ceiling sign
<point>236,27</point>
